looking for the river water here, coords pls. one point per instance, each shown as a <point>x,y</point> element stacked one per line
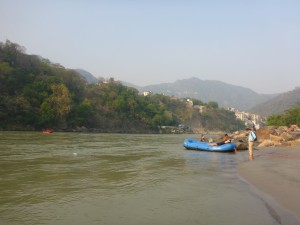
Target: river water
<point>95,179</point>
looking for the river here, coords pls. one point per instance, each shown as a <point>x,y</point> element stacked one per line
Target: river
<point>133,179</point>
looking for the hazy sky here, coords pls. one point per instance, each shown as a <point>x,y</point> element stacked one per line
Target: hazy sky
<point>250,43</point>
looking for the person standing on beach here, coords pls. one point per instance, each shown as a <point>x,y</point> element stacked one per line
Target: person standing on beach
<point>251,138</point>
<point>254,128</point>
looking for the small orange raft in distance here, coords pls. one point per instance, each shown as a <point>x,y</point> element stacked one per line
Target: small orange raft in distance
<point>47,131</point>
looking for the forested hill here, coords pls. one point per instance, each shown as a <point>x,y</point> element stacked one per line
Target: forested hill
<point>37,94</point>
<point>88,76</point>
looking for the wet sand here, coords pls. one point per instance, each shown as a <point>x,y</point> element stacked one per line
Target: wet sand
<point>276,172</point>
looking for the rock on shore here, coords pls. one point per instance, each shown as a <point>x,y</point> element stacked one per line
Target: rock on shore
<point>270,136</point>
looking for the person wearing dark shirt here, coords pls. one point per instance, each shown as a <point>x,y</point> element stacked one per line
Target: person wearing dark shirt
<point>225,141</point>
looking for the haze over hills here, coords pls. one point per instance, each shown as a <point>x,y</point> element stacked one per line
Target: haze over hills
<point>279,104</point>
<point>90,78</point>
<point>36,93</point>
<point>226,95</point>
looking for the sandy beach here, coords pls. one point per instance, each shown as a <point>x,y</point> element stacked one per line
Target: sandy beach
<point>276,172</point>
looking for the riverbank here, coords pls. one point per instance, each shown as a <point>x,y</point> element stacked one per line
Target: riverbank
<point>275,171</point>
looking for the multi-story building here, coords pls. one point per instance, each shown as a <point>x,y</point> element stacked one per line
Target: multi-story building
<point>249,119</point>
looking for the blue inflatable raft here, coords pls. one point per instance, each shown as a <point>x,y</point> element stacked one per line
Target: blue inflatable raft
<point>205,146</point>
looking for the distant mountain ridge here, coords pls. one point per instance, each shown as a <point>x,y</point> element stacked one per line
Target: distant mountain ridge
<point>226,95</point>
<point>90,78</point>
<point>279,104</point>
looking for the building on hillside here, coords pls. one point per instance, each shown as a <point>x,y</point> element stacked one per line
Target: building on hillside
<point>249,119</point>
<point>190,102</point>
<point>147,93</point>
<point>200,108</point>
<point>240,115</point>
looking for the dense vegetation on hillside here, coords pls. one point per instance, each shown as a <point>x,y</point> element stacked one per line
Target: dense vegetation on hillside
<point>291,116</point>
<point>35,94</point>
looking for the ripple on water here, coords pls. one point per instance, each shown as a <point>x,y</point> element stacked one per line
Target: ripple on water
<point>120,179</point>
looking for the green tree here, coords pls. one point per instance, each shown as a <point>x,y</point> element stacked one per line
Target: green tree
<point>213,105</point>
<point>54,107</point>
<point>60,101</point>
<point>291,116</point>
<point>83,115</point>
<point>47,115</point>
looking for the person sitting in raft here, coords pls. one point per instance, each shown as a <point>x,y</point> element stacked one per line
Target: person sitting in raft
<point>202,138</point>
<point>225,141</point>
